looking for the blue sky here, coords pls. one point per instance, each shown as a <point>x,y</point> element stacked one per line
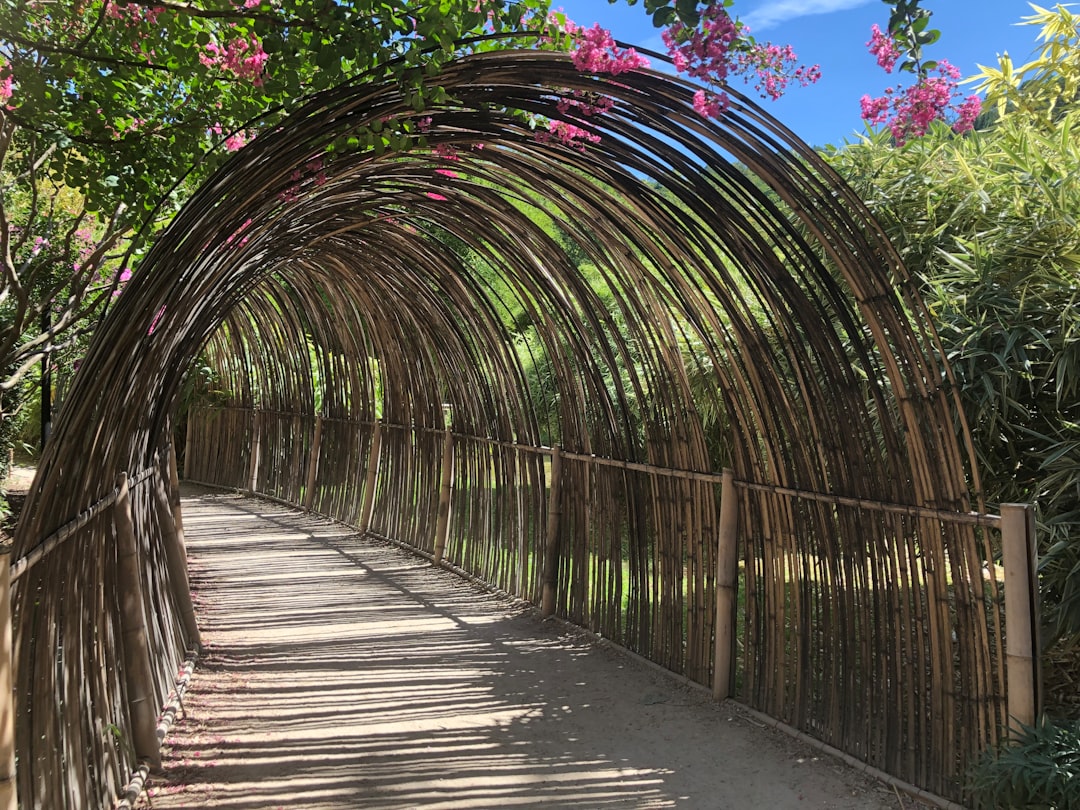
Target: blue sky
<point>832,33</point>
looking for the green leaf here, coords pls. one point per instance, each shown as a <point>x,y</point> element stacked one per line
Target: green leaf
<point>664,17</point>
<point>687,12</point>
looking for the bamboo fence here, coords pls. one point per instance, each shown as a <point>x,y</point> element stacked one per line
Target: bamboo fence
<point>359,281</point>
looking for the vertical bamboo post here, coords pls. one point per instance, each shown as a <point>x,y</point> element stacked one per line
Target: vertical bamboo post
<point>8,785</point>
<point>187,456</point>
<point>144,739</point>
<point>174,495</point>
<point>1018,555</point>
<point>172,538</point>
<point>371,478</point>
<point>256,433</point>
<point>551,537</point>
<point>313,464</point>
<point>727,583</point>
<point>446,490</point>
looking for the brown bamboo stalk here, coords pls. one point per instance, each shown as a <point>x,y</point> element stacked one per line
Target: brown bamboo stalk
<point>551,536</point>
<point>313,464</point>
<point>256,440</point>
<point>172,538</point>
<point>446,487</point>
<point>140,691</point>
<point>8,785</point>
<point>371,478</point>
<point>1021,615</point>
<point>727,579</point>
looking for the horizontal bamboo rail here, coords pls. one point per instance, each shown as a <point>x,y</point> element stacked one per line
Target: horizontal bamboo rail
<point>70,529</point>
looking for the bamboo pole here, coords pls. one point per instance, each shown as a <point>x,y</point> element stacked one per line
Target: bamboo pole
<point>371,478</point>
<point>1021,614</point>
<point>727,583</point>
<point>551,538</point>
<point>172,538</point>
<point>174,495</point>
<point>256,430</point>
<point>8,785</point>
<point>446,488</point>
<point>137,667</point>
<point>313,464</point>
<point>187,456</point>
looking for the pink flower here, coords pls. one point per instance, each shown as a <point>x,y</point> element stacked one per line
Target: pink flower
<point>775,68</point>
<point>884,48</point>
<point>594,51</point>
<point>586,104</point>
<point>568,135</point>
<point>446,173</point>
<point>874,110</point>
<point>6,88</point>
<point>244,58</point>
<point>235,141</point>
<point>710,105</point>
<point>435,196</point>
<point>717,47</point>
<point>446,151</point>
<point>966,114</point>
<point>124,276</point>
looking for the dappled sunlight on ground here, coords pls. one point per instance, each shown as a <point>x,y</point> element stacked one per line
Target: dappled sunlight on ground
<point>343,673</point>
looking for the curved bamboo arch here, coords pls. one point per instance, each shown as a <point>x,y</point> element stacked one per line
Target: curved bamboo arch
<point>733,274</point>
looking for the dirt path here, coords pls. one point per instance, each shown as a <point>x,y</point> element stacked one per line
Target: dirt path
<point>341,673</point>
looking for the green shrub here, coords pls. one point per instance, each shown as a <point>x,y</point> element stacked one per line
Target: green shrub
<point>1039,771</point>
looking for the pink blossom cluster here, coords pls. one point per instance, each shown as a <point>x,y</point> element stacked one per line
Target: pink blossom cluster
<point>568,135</point>
<point>125,276</point>
<point>908,113</point>
<point>594,51</point>
<point>235,141</point>
<point>133,14</point>
<point>702,52</point>
<point>314,172</point>
<point>715,49</point>
<point>884,48</point>
<point>7,82</point>
<point>710,105</point>
<point>446,151</point>
<point>243,57</point>
<point>776,67</point>
<point>578,102</point>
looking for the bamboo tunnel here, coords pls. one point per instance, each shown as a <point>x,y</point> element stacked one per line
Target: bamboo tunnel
<point>611,322</point>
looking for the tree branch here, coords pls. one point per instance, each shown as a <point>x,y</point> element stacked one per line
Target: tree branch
<point>44,47</point>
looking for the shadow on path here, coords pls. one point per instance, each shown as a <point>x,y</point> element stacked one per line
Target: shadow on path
<point>342,673</point>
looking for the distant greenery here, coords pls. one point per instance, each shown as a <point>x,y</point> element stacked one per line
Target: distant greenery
<point>989,222</point>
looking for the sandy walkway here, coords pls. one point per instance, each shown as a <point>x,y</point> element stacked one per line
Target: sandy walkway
<point>347,674</point>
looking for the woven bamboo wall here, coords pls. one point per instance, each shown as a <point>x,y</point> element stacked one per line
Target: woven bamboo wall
<point>739,309</point>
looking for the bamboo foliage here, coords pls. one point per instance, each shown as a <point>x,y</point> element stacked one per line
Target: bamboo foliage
<point>383,307</point>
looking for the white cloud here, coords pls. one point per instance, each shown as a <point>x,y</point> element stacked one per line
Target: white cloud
<point>770,13</point>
